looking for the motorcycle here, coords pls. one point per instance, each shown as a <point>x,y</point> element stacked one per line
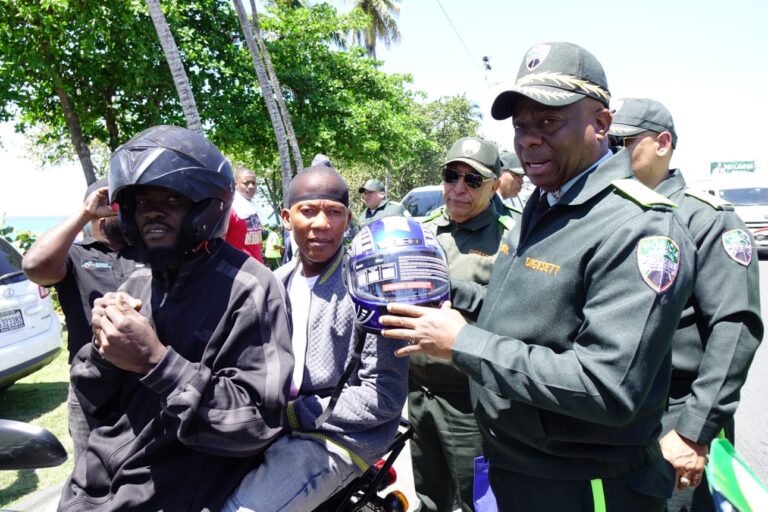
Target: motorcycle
<point>364,493</point>
<point>25,446</point>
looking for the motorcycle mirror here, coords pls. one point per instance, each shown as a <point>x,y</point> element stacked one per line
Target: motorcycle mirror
<point>25,446</point>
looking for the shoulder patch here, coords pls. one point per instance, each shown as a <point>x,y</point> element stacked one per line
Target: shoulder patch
<point>507,222</point>
<point>658,259</point>
<point>641,194</point>
<point>738,246</point>
<point>432,216</point>
<point>705,197</point>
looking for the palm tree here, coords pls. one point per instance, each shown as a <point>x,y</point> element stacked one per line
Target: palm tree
<point>173,58</point>
<point>294,144</point>
<point>269,98</point>
<point>382,26</point>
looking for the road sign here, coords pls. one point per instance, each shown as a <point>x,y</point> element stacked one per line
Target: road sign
<point>729,167</point>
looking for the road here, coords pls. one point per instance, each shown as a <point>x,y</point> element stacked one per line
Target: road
<point>752,414</point>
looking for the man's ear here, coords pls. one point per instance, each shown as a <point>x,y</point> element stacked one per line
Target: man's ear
<point>285,215</point>
<point>603,119</point>
<point>663,143</point>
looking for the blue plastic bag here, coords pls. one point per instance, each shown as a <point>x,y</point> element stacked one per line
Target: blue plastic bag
<point>483,496</point>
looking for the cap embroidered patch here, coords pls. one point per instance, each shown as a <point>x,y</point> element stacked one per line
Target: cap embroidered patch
<point>470,147</point>
<point>536,56</point>
<point>737,246</point>
<point>658,259</point>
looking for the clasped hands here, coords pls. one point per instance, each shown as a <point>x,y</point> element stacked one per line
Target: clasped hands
<point>123,336</point>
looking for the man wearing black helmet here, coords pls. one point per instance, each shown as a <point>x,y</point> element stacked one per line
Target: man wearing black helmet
<point>187,376</point>
<point>569,361</point>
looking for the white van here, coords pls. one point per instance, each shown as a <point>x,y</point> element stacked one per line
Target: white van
<point>748,192</point>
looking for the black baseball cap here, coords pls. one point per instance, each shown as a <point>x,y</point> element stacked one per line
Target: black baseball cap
<point>481,154</point>
<point>556,75</point>
<point>632,116</point>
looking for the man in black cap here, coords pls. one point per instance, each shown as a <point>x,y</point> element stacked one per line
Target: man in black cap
<point>569,361</point>
<point>446,439</point>
<point>511,181</point>
<point>721,327</point>
<point>81,272</point>
<point>377,206</point>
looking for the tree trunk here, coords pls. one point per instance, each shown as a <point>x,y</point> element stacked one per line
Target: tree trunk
<point>177,67</point>
<point>277,90</point>
<point>75,132</point>
<point>274,114</point>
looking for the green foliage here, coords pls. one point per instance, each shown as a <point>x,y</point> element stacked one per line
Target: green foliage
<point>23,240</point>
<point>107,57</point>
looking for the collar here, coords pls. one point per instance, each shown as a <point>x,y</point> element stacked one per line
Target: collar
<point>476,223</point>
<point>588,184</point>
<point>672,184</point>
<point>382,204</point>
<point>327,272</point>
<point>554,197</point>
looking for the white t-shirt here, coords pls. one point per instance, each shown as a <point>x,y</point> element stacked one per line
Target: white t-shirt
<point>299,290</point>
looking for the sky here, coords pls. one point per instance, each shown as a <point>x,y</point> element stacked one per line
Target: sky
<point>706,61</point>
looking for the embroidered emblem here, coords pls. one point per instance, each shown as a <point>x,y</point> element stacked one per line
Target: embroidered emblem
<point>542,266</point>
<point>658,259</point>
<point>470,147</point>
<point>536,56</point>
<point>504,249</point>
<point>737,246</point>
<point>89,264</point>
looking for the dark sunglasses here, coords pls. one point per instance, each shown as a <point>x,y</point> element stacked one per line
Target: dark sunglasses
<point>473,181</point>
<point>622,142</point>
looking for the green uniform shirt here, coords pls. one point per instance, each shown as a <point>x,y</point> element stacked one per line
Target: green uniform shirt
<point>569,362</point>
<point>470,248</point>
<point>720,328</point>
<point>386,208</point>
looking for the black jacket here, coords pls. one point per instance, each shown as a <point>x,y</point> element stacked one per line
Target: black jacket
<point>182,436</point>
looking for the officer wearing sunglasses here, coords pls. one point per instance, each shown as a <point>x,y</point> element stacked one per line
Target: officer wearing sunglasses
<point>470,230</point>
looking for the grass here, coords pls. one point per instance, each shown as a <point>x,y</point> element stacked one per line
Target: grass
<point>41,399</point>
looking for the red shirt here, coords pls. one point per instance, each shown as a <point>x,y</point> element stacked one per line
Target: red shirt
<point>245,234</point>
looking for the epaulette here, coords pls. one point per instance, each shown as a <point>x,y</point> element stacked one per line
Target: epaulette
<point>506,221</point>
<point>641,194</point>
<point>432,216</point>
<point>705,197</point>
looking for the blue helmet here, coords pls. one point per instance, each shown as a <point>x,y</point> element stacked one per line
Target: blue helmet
<point>394,259</point>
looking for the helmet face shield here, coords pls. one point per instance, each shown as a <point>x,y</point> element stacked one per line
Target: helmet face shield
<point>394,259</point>
<point>177,159</point>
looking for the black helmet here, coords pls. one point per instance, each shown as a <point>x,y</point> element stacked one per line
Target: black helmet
<point>180,160</point>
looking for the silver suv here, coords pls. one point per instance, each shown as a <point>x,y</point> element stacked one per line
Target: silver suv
<point>30,330</point>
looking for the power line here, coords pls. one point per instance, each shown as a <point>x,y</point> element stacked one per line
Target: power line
<point>466,48</point>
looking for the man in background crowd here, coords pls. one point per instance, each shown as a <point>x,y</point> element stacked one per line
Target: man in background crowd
<point>244,231</point>
<point>377,206</point>
<point>81,272</point>
<point>721,328</point>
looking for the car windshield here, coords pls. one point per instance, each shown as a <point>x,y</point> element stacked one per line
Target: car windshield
<point>745,196</point>
<point>10,264</point>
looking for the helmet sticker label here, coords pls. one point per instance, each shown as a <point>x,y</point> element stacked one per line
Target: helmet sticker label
<point>738,246</point>
<point>658,259</point>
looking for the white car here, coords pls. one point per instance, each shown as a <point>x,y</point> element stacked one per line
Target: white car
<point>30,330</point>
